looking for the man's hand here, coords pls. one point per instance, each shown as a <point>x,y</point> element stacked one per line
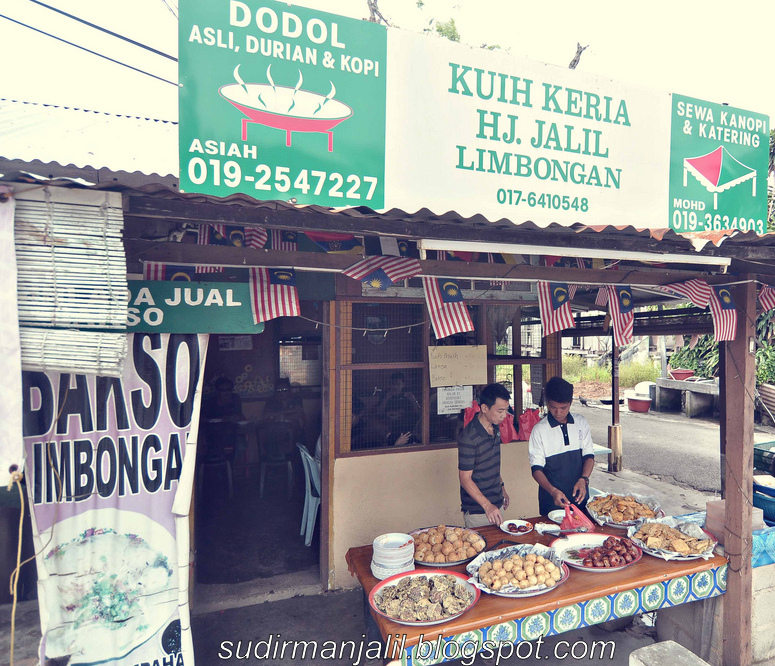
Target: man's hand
<point>579,491</point>
<point>403,438</point>
<point>559,497</point>
<point>505,500</point>
<point>493,514</point>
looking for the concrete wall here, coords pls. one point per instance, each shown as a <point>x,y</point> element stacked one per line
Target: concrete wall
<point>698,626</point>
<point>402,491</point>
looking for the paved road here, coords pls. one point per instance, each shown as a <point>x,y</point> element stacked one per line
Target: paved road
<point>669,447</point>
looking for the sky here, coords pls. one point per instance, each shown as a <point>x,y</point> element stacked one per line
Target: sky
<point>716,51</point>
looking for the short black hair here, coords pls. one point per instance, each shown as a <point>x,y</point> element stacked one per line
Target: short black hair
<point>558,390</point>
<point>492,392</point>
<point>397,375</point>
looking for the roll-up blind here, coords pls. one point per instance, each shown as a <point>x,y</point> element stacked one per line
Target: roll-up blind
<point>71,280</point>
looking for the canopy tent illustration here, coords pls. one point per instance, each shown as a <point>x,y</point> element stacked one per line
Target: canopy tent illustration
<point>718,171</point>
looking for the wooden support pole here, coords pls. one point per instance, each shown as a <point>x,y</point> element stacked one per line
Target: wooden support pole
<point>739,387</point>
<point>615,444</point>
<point>614,382</point>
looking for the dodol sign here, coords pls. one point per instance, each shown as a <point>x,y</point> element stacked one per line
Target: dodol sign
<point>281,102</point>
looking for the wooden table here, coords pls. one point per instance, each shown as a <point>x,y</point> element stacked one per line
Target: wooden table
<point>583,600</point>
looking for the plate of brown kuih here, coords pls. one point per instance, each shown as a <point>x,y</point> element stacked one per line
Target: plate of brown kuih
<point>446,545</point>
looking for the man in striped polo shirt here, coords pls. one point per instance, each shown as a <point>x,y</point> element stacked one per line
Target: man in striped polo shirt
<point>560,451</point>
<point>482,494</point>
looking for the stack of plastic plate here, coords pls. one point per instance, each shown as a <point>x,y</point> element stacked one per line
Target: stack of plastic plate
<point>393,554</point>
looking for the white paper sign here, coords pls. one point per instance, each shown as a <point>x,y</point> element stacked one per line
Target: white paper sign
<point>451,399</point>
<point>457,366</point>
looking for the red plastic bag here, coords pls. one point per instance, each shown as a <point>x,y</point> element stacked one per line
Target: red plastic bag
<point>508,432</point>
<point>527,420</point>
<point>576,518</point>
<point>470,412</point>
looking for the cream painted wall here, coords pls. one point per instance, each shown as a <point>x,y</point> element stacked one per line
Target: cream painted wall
<point>402,491</point>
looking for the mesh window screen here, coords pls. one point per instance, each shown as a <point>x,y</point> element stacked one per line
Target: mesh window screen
<point>386,408</point>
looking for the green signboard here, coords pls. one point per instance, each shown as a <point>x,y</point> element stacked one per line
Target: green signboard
<point>190,307</point>
<point>718,167</point>
<point>281,102</point>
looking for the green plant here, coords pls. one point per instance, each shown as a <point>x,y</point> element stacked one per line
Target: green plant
<point>634,373</point>
<point>765,365</point>
<point>703,358</point>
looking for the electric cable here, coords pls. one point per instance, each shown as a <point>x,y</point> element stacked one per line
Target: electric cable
<point>78,46</point>
<point>105,30</point>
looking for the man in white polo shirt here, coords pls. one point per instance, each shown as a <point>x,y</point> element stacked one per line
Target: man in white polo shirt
<point>560,450</point>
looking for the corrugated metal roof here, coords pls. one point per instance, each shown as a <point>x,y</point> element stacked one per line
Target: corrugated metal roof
<point>87,139</point>
<point>48,134</point>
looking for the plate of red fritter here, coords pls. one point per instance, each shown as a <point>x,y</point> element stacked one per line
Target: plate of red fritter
<point>597,553</point>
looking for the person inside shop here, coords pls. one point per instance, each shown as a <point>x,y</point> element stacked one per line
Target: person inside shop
<point>224,404</point>
<point>560,451</point>
<point>220,414</point>
<point>401,421</point>
<point>483,495</point>
<point>286,405</point>
<point>397,389</point>
<point>364,432</point>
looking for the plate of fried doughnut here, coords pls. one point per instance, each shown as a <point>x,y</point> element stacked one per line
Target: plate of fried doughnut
<point>597,553</point>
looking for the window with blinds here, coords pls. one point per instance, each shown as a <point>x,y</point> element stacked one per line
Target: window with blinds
<point>71,285</point>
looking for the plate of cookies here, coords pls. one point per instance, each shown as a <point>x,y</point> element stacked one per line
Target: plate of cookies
<point>446,545</point>
<point>672,539</point>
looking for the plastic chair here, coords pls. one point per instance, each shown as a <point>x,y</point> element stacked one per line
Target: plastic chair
<point>764,499</point>
<point>219,441</point>
<point>276,440</point>
<point>311,496</point>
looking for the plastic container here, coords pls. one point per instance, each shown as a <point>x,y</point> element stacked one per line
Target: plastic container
<point>714,520</point>
<point>638,403</point>
<point>680,373</point>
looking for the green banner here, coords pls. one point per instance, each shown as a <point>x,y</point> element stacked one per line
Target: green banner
<point>718,167</point>
<point>190,307</point>
<point>281,102</point>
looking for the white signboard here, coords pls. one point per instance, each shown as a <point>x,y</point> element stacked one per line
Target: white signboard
<point>487,133</point>
<point>451,399</point>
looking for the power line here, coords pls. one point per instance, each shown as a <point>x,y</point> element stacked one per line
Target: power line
<point>78,46</point>
<point>105,30</point>
<point>170,8</point>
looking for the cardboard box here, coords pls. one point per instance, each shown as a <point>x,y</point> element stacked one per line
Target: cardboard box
<point>714,521</point>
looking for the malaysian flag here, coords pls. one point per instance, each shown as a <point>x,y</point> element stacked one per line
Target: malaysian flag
<point>273,293</point>
<point>335,243</point>
<point>255,237</point>
<point>283,240</point>
<point>158,270</point>
<point>601,299</point>
<point>724,313</point>
<point>211,234</point>
<point>554,306</point>
<point>697,291</point>
<point>382,272</point>
<point>620,306</point>
<point>449,314</point>
<point>767,297</point>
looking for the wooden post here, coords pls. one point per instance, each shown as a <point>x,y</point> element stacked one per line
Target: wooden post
<point>615,444</point>
<point>739,387</point>
<point>614,430</point>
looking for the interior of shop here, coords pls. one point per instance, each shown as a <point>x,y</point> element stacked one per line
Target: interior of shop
<point>261,399</point>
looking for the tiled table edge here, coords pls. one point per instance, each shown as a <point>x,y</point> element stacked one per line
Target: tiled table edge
<point>684,589</point>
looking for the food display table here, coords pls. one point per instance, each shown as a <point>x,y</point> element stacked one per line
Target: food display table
<point>585,599</point>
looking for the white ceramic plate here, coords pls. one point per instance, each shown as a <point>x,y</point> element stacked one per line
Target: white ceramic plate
<point>571,549</point>
<point>516,527</point>
<point>393,580</point>
<point>557,515</point>
<point>92,617</point>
